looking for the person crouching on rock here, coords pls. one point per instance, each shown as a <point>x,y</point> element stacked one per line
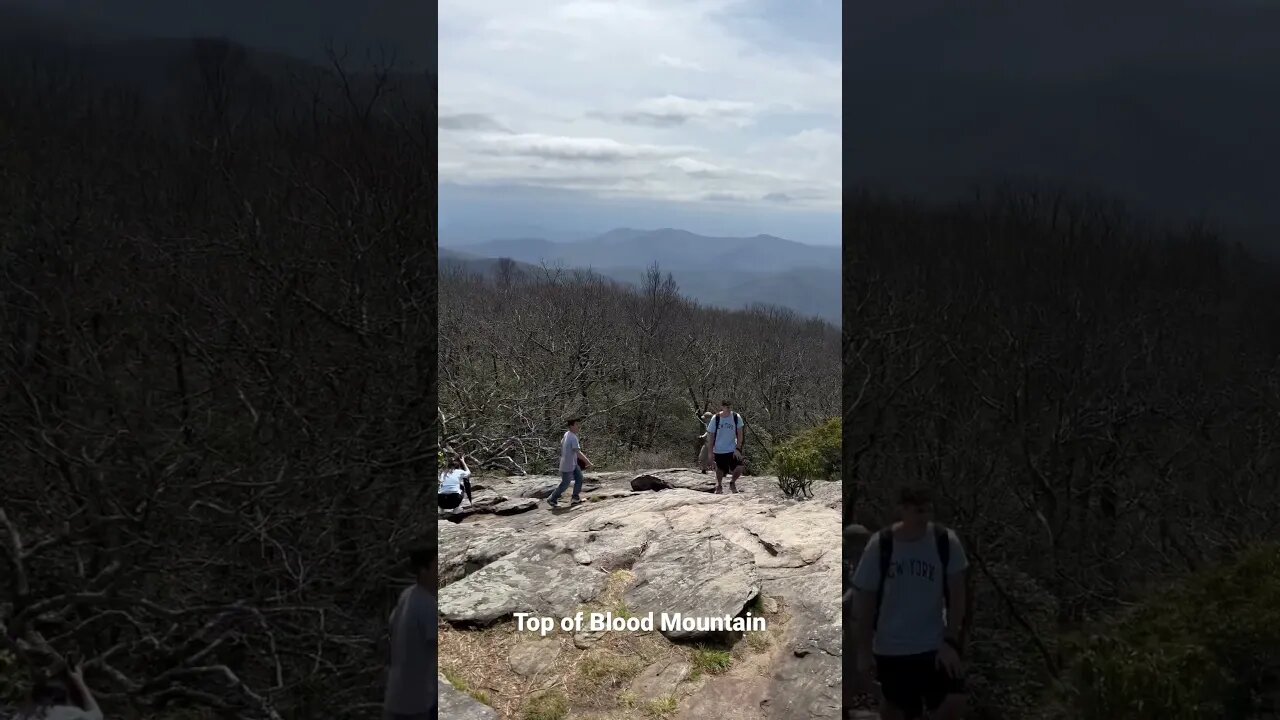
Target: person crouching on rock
<point>452,484</point>
<point>572,463</point>
<point>704,445</point>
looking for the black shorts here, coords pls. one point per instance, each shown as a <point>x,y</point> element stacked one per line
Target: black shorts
<point>914,683</point>
<point>727,462</point>
<point>449,501</point>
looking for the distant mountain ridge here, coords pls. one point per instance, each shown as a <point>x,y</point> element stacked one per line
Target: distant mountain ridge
<point>671,248</point>
<point>723,272</point>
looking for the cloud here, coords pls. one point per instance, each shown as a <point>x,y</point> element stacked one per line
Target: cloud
<point>678,63</point>
<point>674,100</point>
<point>728,196</point>
<point>698,168</point>
<point>672,110</point>
<point>470,121</point>
<point>573,148</point>
<point>817,140</point>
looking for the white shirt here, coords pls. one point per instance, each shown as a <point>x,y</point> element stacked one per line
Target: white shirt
<point>451,482</point>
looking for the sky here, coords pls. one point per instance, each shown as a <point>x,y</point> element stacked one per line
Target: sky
<point>564,119</point>
<point>1165,105</point>
<point>716,116</point>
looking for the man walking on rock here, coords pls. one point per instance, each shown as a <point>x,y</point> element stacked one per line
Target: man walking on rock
<point>572,463</point>
<point>911,597</point>
<point>724,435</point>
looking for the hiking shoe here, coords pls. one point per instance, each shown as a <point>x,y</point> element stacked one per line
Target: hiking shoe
<point>733,488</point>
<point>717,491</point>
<point>575,501</point>
<point>553,504</point>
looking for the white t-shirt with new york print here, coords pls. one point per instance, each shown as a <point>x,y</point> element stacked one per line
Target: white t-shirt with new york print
<point>911,611</point>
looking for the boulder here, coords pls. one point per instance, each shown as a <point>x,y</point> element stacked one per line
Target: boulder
<point>457,705</point>
<point>538,578</point>
<point>467,548</point>
<point>698,575</point>
<point>675,478</point>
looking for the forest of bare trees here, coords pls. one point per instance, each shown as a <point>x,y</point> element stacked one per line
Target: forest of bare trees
<point>217,414</point>
<point>521,349</point>
<point>1096,404</point>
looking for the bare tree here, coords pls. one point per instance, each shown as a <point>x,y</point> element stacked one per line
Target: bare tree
<point>1095,404</point>
<point>639,364</point>
<point>218,371</point>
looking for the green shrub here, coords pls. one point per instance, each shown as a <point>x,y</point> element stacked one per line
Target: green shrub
<point>710,660</point>
<point>1112,678</point>
<point>1206,649</point>
<point>807,458</point>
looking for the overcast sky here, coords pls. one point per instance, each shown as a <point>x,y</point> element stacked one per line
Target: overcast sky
<point>708,109</point>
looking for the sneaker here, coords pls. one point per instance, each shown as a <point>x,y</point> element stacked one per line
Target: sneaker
<point>733,488</point>
<point>553,503</point>
<point>717,491</point>
<point>575,501</point>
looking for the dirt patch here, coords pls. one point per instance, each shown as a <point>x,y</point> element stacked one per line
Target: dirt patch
<point>595,681</point>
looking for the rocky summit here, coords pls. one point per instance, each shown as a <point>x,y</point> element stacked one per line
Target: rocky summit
<point>646,544</point>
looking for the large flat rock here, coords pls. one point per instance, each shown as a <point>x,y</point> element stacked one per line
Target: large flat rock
<point>698,575</point>
<point>728,699</point>
<point>807,675</point>
<point>467,548</point>
<point>691,552</point>
<point>539,578</point>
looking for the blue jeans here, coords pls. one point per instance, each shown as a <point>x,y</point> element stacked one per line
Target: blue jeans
<point>565,478</point>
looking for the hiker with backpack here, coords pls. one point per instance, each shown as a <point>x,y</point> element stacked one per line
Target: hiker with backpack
<point>725,432</point>
<point>913,601</point>
<point>704,445</point>
<point>572,463</point>
<point>455,480</point>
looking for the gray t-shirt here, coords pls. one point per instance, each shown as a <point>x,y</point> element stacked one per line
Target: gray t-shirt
<point>727,435</point>
<point>569,447</point>
<point>411,679</point>
<point>912,611</point>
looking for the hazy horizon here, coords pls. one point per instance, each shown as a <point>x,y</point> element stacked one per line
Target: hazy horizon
<point>550,215</point>
<point>562,240</point>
